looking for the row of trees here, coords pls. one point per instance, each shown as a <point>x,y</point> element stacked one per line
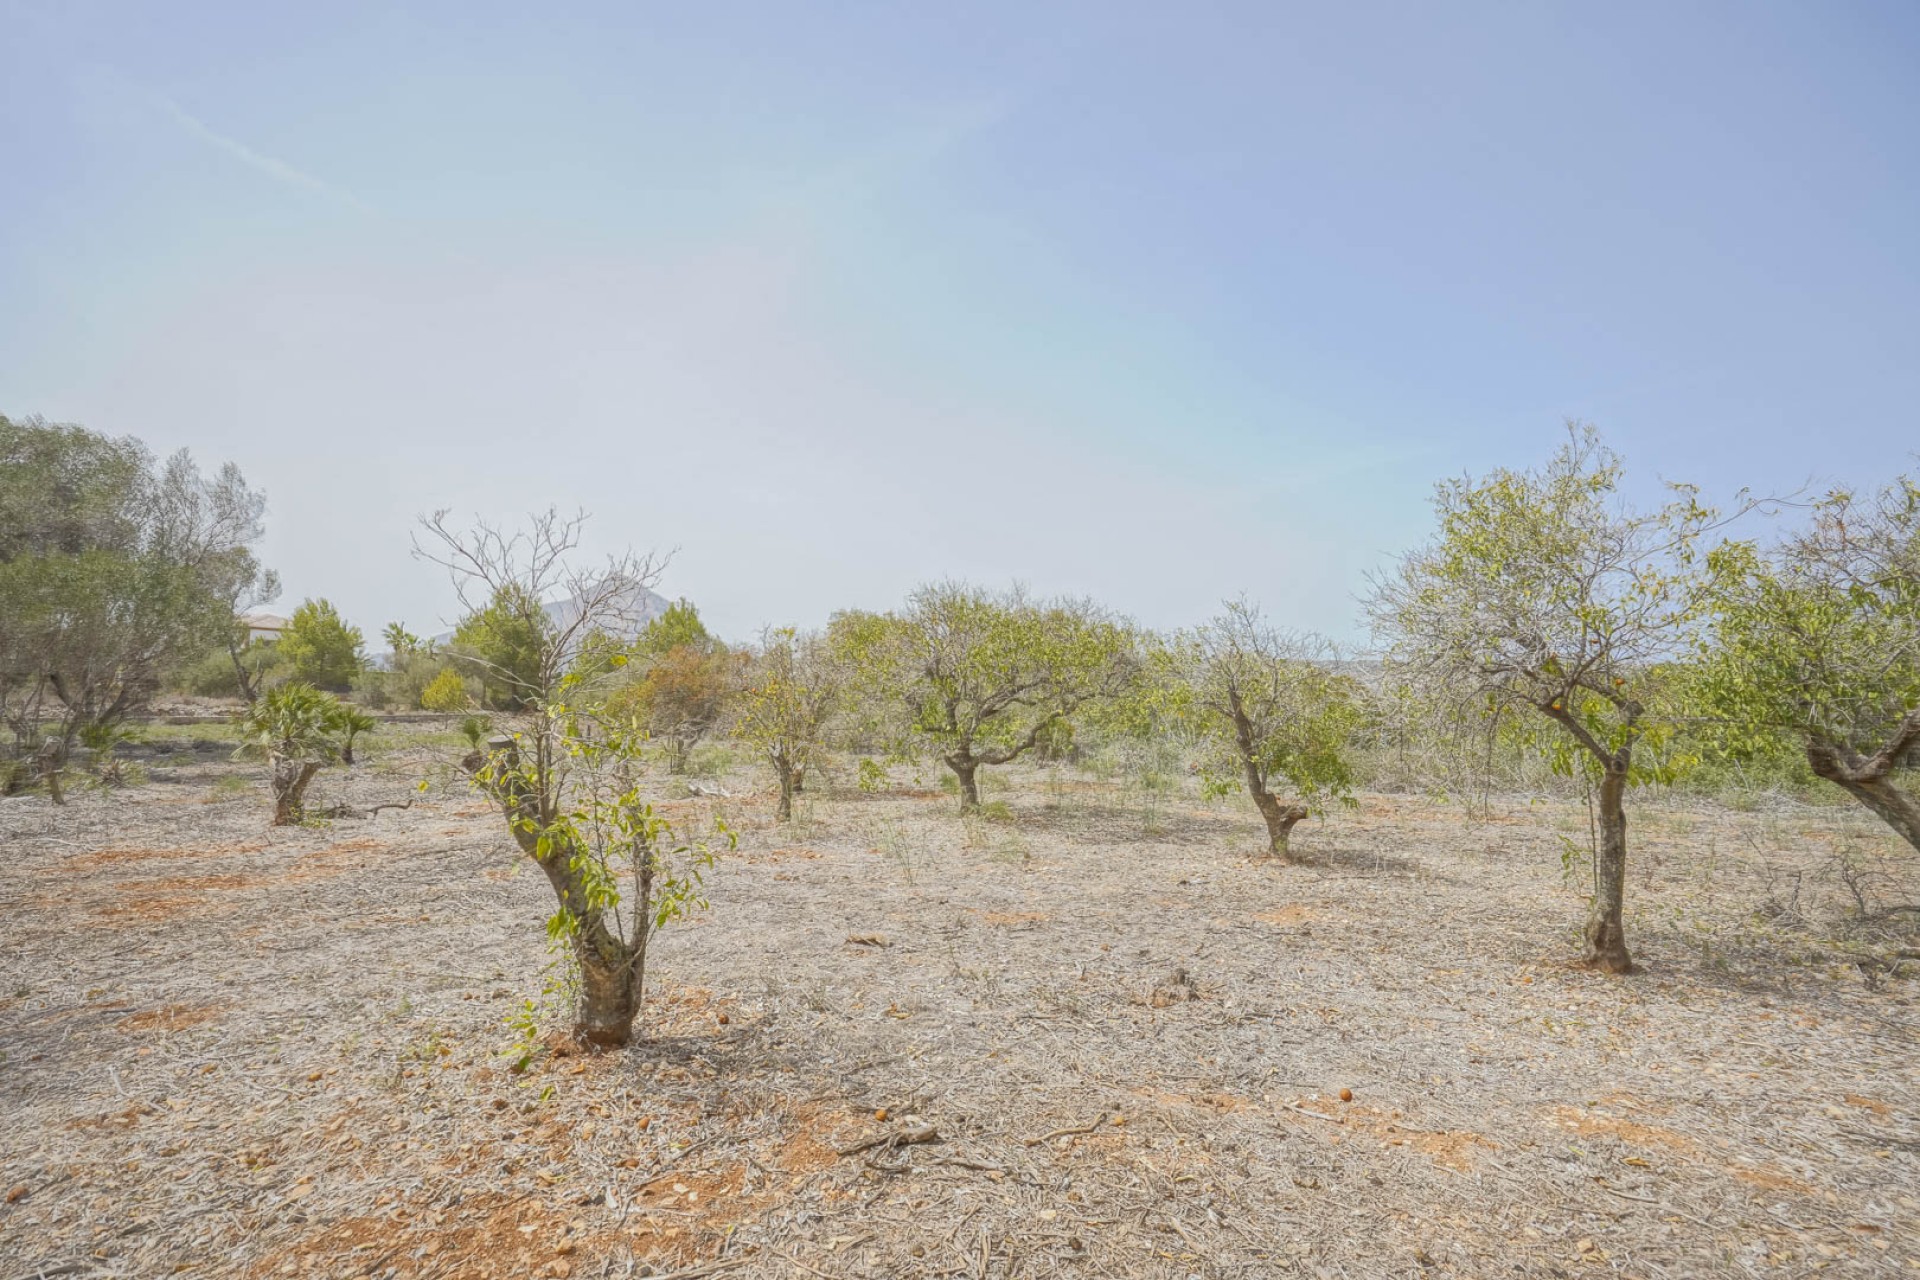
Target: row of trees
<point>1545,610</point>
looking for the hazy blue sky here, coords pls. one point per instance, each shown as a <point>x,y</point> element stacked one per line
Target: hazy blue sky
<point>1156,302</point>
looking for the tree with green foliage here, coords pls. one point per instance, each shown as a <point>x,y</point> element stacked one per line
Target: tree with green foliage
<point>299,730</point>
<point>447,693</point>
<point>677,627</point>
<point>682,696</point>
<point>503,642</point>
<point>321,648</point>
<point>1544,595</point>
<point>565,772</point>
<point>790,691</point>
<point>984,674</point>
<point>1273,706</point>
<point>1818,643</point>
<point>114,572</point>
<point>401,643</point>
<point>353,723</point>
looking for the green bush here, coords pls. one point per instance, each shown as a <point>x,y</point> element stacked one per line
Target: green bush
<point>447,692</point>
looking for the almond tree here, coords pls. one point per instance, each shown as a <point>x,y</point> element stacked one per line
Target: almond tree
<point>791,689</point>
<point>1544,594</point>
<point>1275,707</point>
<point>984,674</point>
<point>1819,642</point>
<point>564,772</point>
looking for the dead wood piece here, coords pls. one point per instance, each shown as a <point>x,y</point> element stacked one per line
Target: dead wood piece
<point>868,940</point>
<point>911,1133</point>
<point>713,1268</point>
<point>1067,1133</point>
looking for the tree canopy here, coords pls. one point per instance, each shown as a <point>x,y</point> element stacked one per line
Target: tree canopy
<point>1818,642</point>
<point>320,648</point>
<point>1543,594</point>
<point>983,674</point>
<point>113,571</point>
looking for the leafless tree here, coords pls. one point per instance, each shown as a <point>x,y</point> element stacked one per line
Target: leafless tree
<point>565,781</point>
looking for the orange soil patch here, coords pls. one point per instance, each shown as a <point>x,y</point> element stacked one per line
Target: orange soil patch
<point>776,855</point>
<point>114,857</point>
<point>1772,1180</point>
<point>173,1017</point>
<point>1590,1124</point>
<point>1453,1148</point>
<point>1874,1105</point>
<point>1010,917</point>
<point>491,1237</point>
<point>171,896</point>
<point>336,858</point>
<point>1288,915</point>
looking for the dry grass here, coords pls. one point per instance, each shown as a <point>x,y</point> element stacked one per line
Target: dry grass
<point>230,1051</point>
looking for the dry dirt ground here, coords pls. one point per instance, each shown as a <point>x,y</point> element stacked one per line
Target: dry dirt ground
<point>232,1051</point>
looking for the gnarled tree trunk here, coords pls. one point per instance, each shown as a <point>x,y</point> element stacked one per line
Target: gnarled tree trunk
<point>612,968</point>
<point>965,768</point>
<point>289,779</point>
<point>789,783</point>
<point>1868,780</point>
<point>1279,817</point>
<point>1606,937</point>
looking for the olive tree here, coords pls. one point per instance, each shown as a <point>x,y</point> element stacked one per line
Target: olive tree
<point>114,571</point>
<point>1275,707</point>
<point>1818,641</point>
<point>790,691</point>
<point>565,772</point>
<point>983,674</point>
<point>1546,595</point>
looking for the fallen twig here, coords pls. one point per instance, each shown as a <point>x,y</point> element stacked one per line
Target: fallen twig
<point>901,1138</point>
<point>703,1269</point>
<point>1068,1133</point>
<point>824,1275</point>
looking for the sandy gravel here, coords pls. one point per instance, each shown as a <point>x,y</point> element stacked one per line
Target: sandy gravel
<point>230,1051</point>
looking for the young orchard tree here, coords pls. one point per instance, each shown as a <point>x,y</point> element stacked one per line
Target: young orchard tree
<point>683,696</point>
<point>299,730</point>
<point>984,674</point>
<point>1276,708</point>
<point>565,774</point>
<point>791,690</point>
<point>1543,594</point>
<point>1819,642</point>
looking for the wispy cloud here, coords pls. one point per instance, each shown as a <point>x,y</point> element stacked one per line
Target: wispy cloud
<point>278,170</point>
